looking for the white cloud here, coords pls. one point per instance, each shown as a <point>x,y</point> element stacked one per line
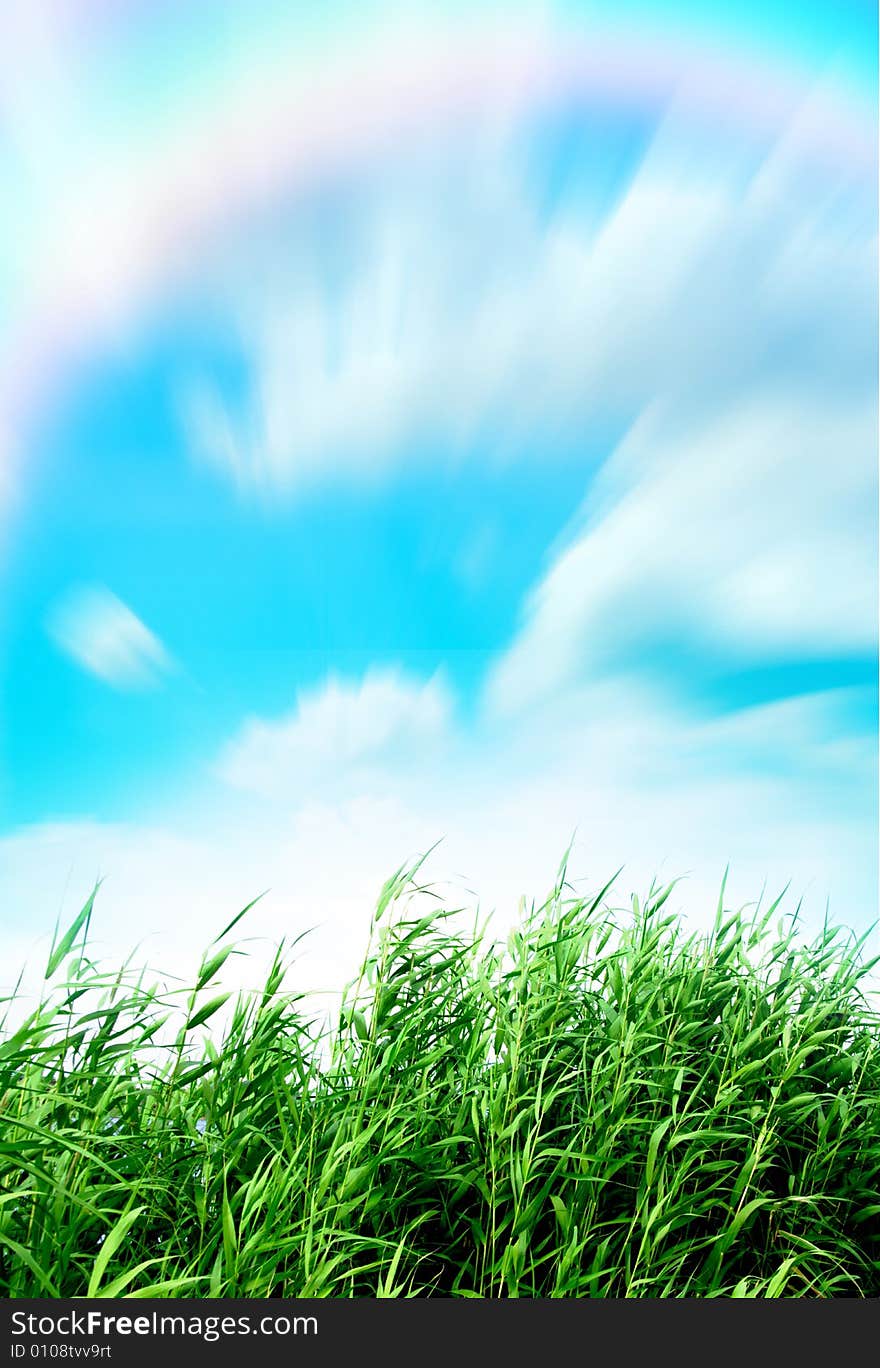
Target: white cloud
<point>782,791</point>
<point>458,299</point>
<point>751,535</point>
<point>103,636</point>
<point>341,728</point>
<point>775,791</point>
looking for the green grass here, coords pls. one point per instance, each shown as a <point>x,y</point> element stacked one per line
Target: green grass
<point>603,1107</point>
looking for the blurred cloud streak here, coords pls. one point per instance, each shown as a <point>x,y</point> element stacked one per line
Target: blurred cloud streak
<point>104,637</point>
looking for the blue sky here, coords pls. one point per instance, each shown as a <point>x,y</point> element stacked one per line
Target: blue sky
<point>456,424</point>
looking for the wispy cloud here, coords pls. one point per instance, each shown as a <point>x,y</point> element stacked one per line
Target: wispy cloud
<point>749,537</point>
<point>104,637</point>
<point>360,776</point>
<point>337,732</point>
<point>458,301</point>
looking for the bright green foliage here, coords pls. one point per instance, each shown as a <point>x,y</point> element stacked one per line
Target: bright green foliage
<point>605,1107</point>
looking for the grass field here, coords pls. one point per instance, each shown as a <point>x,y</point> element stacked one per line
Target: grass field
<point>605,1106</point>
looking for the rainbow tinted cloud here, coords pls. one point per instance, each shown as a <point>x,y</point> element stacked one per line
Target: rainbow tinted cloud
<point>99,223</point>
<point>493,385</point>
